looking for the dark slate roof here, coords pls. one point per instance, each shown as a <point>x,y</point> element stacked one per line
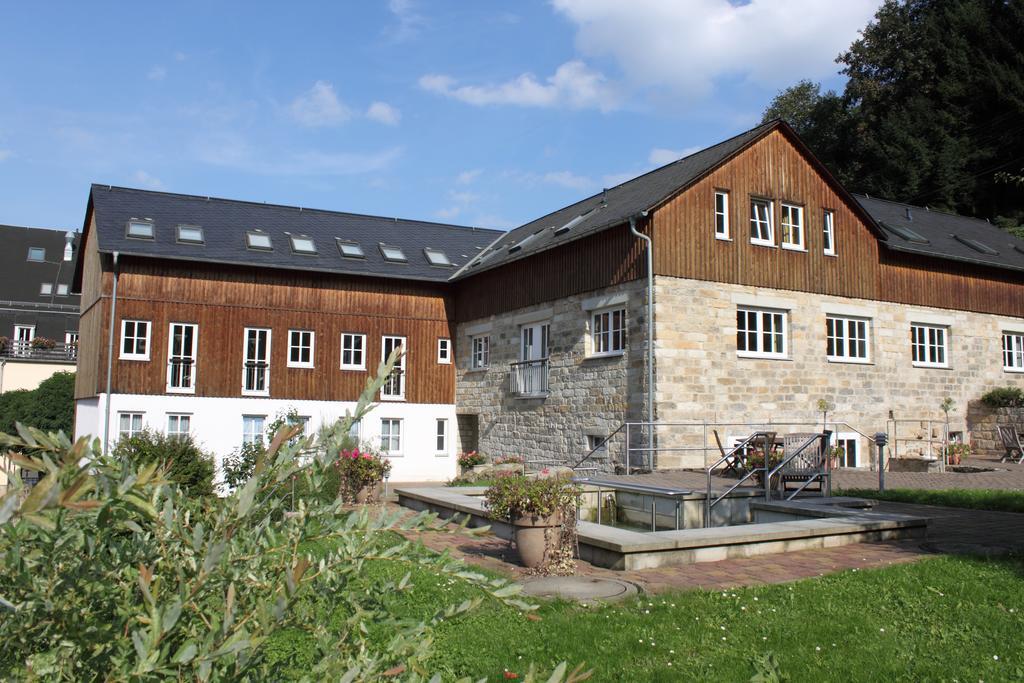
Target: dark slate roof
<point>613,206</point>
<point>21,279</point>
<point>226,221</point>
<point>918,230</point>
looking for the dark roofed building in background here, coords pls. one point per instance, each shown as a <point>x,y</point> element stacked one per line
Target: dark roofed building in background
<point>38,312</point>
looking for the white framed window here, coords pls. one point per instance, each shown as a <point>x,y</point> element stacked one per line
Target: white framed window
<point>721,214</point>
<point>828,230</point>
<point>141,230</point>
<point>608,332</point>
<point>444,351</point>
<point>480,356</point>
<point>394,386</point>
<point>134,340</point>
<point>596,444</point>
<point>46,289</point>
<point>762,229</point>
<point>792,227</point>
<point>181,358</point>
<point>850,443</point>
<point>846,339</point>
<point>441,437</point>
<point>354,430</point>
<point>391,435</point>
<point>928,345</point>
<point>353,351</point>
<point>21,345</point>
<point>1013,351</point>
<point>256,363</point>
<point>253,427</point>
<point>129,424</point>
<point>178,425</point>
<point>62,290</point>
<point>761,332</point>
<point>300,348</point>
<point>71,344</point>
<point>37,254</point>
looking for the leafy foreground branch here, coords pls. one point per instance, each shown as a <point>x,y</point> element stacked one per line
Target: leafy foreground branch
<point>108,571</point>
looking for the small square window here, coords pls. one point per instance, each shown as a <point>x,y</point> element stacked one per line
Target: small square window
<point>253,427</point>
<point>37,254</point>
<point>608,332</point>
<point>437,257</point>
<point>444,351</point>
<point>46,288</point>
<point>258,240</point>
<point>130,424</point>
<point>353,351</point>
<point>847,340</point>
<point>393,254</point>
<point>141,230</point>
<point>350,249</point>
<point>1013,351</point>
<point>761,332</point>
<point>391,435</point>
<point>300,348</point>
<point>190,234</point>
<point>303,245</point>
<point>62,290</point>
<point>178,426</point>
<point>929,345</point>
<point>134,340</point>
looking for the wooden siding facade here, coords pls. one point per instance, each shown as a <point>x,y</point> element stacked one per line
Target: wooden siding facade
<point>224,300</point>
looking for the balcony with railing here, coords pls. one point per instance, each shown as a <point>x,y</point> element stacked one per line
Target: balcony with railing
<point>34,351</point>
<point>529,378</point>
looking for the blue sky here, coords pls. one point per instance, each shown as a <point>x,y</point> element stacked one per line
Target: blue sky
<point>478,113</point>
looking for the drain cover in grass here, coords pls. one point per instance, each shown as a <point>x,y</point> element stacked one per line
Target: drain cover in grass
<point>579,588</point>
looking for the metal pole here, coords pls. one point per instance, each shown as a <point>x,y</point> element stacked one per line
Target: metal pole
<point>654,513</point>
<point>628,442</point>
<point>881,438</point>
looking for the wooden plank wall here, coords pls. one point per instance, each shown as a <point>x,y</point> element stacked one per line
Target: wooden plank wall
<point>608,258</point>
<point>92,324</point>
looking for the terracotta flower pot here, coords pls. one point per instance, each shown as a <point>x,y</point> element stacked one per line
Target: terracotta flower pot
<point>532,537</point>
<point>367,493</point>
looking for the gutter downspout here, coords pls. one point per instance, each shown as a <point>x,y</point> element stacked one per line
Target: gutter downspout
<point>110,359</point>
<point>650,335</point>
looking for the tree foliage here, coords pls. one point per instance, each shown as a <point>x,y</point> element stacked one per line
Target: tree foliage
<point>185,462</point>
<point>50,406</point>
<point>932,110</point>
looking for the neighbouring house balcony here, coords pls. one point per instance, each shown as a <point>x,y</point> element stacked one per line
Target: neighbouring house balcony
<point>529,378</point>
<point>26,350</point>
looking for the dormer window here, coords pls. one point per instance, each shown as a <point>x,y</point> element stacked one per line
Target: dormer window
<point>393,254</point>
<point>436,257</point>
<point>190,234</point>
<point>140,230</point>
<point>303,245</point>
<point>259,240</point>
<point>350,249</point>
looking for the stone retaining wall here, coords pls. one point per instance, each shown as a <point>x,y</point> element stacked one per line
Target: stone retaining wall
<point>981,423</point>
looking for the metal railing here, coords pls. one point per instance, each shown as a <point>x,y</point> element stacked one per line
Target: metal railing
<point>35,351</point>
<point>937,446</point>
<point>821,469</point>
<point>528,377</point>
<point>739,448</point>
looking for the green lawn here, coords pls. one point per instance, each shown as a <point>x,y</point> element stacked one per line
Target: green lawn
<point>975,499</point>
<point>945,618</point>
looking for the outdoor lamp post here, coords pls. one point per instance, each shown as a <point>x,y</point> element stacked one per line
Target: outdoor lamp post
<point>881,438</point>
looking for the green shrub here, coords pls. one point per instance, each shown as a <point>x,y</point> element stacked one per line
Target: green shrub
<point>514,495</point>
<point>187,464</point>
<point>238,466</point>
<point>1004,397</point>
<point>49,407</point>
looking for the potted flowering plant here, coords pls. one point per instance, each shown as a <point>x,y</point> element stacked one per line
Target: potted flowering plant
<point>361,473</point>
<point>43,343</point>
<point>536,508</point>
<point>4,341</point>
<point>837,455</point>
<point>468,461</point>
<point>755,461</point>
<point>955,452</point>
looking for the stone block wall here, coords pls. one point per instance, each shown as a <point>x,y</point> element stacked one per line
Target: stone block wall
<point>981,424</point>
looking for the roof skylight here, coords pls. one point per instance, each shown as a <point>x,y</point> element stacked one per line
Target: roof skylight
<point>350,249</point>
<point>976,245</point>
<point>190,234</point>
<point>437,257</point>
<point>906,233</point>
<point>573,223</point>
<point>302,244</point>
<point>142,230</point>
<point>392,253</point>
<point>37,254</point>
<point>257,239</point>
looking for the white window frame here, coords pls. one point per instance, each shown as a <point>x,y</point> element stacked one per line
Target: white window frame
<point>842,325</point>
<point>1013,351</point>
<point>175,420</point>
<point>393,437</point>
<point>722,215</point>
<point>839,438</point>
<point>925,340</point>
<point>292,346</point>
<point>480,352</point>
<point>193,373</point>
<point>444,351</point>
<point>441,436</point>
<point>795,225</point>
<point>779,331</point>
<point>246,359</point>
<point>21,344</point>
<point>135,355</point>
<point>350,337</point>
<point>394,387</point>
<point>133,429</point>
<point>607,339</point>
<point>62,289</point>
<point>828,228</point>
<point>250,435</point>
<point>756,221</point>
<point>45,288</point>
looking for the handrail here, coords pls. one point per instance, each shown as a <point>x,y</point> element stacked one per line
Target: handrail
<point>708,503</point>
<point>786,459</point>
<point>600,446</point>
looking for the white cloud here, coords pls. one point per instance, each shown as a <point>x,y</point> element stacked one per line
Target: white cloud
<point>232,151</point>
<point>382,112</point>
<point>660,156</point>
<point>467,177</point>
<point>573,85</point>
<point>460,202</point>
<point>143,179</point>
<point>568,179</point>
<point>688,46</point>
<point>157,73</point>
<point>5,154</point>
<point>319,106</point>
<point>410,21</point>
<point>180,56</point>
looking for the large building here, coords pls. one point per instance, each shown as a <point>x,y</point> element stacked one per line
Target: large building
<point>770,288</point>
<point>38,312</point>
